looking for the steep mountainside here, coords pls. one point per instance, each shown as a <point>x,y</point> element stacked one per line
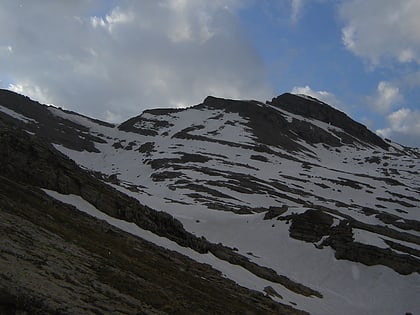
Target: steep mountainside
<point>312,204</point>
<point>57,260</point>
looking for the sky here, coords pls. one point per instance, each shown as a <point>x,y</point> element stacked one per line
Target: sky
<point>112,59</point>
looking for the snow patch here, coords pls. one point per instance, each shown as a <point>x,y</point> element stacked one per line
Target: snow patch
<point>15,115</point>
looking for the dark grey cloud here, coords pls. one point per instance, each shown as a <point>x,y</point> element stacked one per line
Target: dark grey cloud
<point>112,62</point>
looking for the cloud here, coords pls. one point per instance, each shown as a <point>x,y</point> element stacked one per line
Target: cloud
<point>385,33</point>
<point>324,96</point>
<point>403,126</point>
<point>297,6</point>
<point>31,90</point>
<point>381,29</point>
<point>111,62</point>
<point>387,96</point>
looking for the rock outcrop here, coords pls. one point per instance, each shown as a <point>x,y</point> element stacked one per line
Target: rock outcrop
<point>316,226</point>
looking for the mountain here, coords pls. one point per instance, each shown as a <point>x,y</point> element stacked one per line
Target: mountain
<point>290,198</point>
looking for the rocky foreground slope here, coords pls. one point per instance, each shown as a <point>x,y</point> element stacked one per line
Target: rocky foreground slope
<point>57,260</point>
<point>291,197</point>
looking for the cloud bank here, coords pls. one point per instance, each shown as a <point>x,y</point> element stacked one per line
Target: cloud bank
<point>404,126</point>
<point>382,29</point>
<point>385,33</point>
<point>114,62</point>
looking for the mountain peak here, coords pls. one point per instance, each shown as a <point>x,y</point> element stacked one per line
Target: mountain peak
<point>313,108</point>
<point>308,106</point>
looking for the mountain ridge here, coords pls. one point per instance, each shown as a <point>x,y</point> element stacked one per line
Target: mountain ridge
<point>313,108</point>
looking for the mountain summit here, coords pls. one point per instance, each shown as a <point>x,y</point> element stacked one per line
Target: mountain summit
<point>309,107</point>
<point>291,199</point>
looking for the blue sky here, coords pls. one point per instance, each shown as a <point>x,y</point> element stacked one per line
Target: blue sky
<point>113,59</point>
<point>307,51</point>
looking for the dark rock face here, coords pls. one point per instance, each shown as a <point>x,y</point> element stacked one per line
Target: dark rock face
<point>271,128</point>
<point>147,148</point>
<point>184,158</point>
<point>310,226</point>
<point>147,126</point>
<point>274,212</point>
<point>37,163</point>
<point>47,126</point>
<point>316,226</point>
<point>341,240</point>
<point>268,125</point>
<point>323,112</point>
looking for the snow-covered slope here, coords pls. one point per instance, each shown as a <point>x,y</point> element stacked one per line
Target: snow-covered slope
<point>293,184</point>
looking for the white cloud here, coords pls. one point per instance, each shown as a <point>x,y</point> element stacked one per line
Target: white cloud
<point>381,29</point>
<point>112,117</point>
<point>387,96</point>
<point>348,34</point>
<point>33,91</point>
<point>297,6</point>
<point>115,62</point>
<point>406,55</point>
<point>324,96</point>
<point>403,126</point>
<point>112,20</point>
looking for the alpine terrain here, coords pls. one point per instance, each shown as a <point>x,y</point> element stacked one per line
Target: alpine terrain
<point>226,207</point>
